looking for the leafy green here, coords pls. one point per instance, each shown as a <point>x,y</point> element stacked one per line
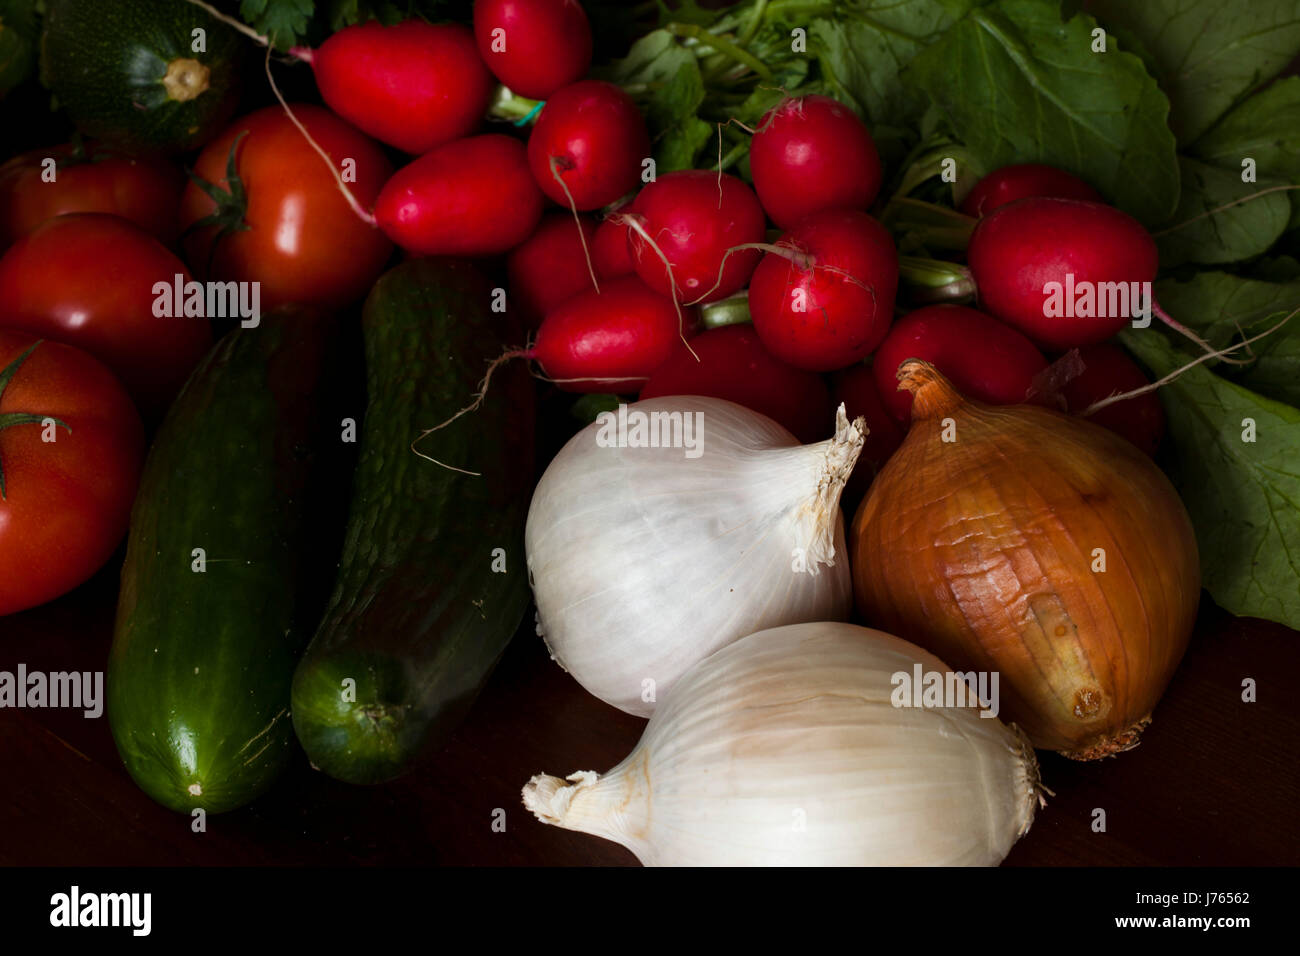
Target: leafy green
<point>283,22</point>
<point>671,99</point>
<point>863,51</point>
<point>1243,496</point>
<point>1220,305</point>
<point>1211,54</point>
<point>1265,128</point>
<point>1018,85</point>
<point>1206,228</point>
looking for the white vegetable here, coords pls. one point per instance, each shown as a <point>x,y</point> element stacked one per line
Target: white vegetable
<point>785,748</point>
<point>644,560</point>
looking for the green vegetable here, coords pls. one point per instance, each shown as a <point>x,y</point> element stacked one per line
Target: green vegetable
<point>433,581</point>
<point>132,73</point>
<point>1208,228</point>
<point>1265,128</point>
<point>1019,86</point>
<point>1210,54</point>
<point>206,641</point>
<point>17,42</point>
<point>1238,471</point>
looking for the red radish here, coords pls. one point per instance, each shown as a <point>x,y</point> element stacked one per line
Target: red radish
<point>610,253</point>
<point>609,341</point>
<point>415,85</point>
<point>549,266</point>
<point>470,197</point>
<point>855,388</point>
<point>1107,371</point>
<point>693,218</point>
<point>732,364</point>
<point>533,46</point>
<point>826,298</point>
<point>592,136</point>
<point>1049,266</point>
<point>983,358</point>
<point>1021,182</point>
<point>812,153</point>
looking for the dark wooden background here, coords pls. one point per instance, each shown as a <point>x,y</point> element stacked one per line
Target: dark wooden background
<point>1216,780</point>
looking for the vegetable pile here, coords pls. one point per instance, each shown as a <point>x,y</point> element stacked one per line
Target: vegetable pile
<point>942,344</point>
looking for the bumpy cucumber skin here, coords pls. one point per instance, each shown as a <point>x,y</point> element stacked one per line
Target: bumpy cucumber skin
<point>419,617</point>
<point>201,663</point>
<point>105,62</point>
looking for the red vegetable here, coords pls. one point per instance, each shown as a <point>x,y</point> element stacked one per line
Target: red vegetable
<point>980,356</point>
<point>471,197</point>
<point>297,235</point>
<point>732,364</point>
<point>1019,251</point>
<point>88,279</point>
<point>694,217</point>
<point>593,137</point>
<point>612,340</point>
<point>812,153</point>
<point>533,46</point>
<point>1109,371</point>
<point>146,191</point>
<point>827,302</point>
<point>610,252</point>
<point>1021,182</point>
<point>66,502</point>
<point>549,266</point>
<point>415,85</point>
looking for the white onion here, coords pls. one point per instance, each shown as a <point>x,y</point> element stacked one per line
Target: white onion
<point>784,748</point>
<point>644,561</point>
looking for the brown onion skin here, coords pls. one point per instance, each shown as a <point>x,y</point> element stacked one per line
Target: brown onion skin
<point>980,550</point>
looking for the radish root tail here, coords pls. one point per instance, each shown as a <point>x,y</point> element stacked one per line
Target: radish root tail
<point>634,223</point>
<point>577,221</point>
<point>366,217</point>
<point>472,406</point>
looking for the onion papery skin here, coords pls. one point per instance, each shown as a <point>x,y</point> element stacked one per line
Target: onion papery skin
<point>982,551</point>
<point>644,562</point>
<point>785,749</point>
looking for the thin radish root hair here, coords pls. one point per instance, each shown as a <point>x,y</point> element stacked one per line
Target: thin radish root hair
<point>367,217</point>
<point>1245,344</point>
<point>472,406</point>
<point>577,220</point>
<point>633,222</point>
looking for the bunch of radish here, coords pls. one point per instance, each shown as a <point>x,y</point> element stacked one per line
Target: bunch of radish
<point>621,274</point>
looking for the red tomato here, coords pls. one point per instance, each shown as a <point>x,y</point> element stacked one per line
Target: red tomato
<point>67,501</point>
<point>88,279</point>
<point>145,191</point>
<point>301,241</point>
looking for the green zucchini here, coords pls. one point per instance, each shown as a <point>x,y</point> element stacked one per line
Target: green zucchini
<point>203,654</point>
<point>17,42</point>
<point>425,602</point>
<point>129,74</point>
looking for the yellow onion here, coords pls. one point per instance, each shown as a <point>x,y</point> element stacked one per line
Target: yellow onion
<point>1021,541</point>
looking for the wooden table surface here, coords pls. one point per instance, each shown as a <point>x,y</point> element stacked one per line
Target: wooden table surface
<point>1215,781</point>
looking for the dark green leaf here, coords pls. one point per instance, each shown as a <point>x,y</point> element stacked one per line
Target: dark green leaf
<point>1243,496</point>
<point>1211,53</point>
<point>1206,228</point>
<point>1265,128</point>
<point>1018,85</point>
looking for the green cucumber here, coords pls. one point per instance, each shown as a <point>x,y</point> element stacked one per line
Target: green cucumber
<point>202,660</point>
<point>432,582</point>
<point>129,74</point>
